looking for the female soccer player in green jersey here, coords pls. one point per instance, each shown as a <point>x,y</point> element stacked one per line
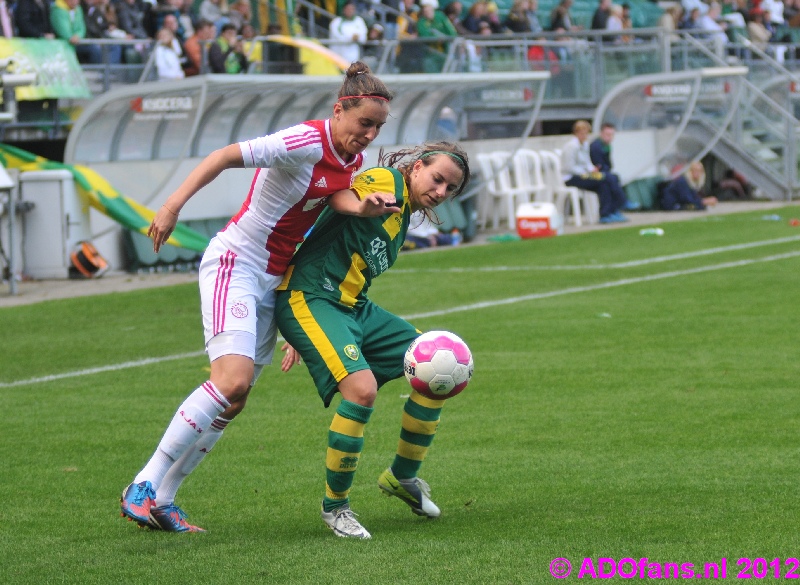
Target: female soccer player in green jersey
<point>351,345</point>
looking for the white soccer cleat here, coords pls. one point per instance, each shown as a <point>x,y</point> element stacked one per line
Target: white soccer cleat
<point>415,492</point>
<point>343,523</point>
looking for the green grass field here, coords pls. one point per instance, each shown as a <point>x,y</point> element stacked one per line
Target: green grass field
<point>633,397</point>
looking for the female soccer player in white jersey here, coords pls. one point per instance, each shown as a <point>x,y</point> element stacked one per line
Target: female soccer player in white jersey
<point>298,168</point>
<point>353,346</point>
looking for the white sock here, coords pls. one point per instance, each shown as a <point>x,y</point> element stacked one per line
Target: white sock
<point>187,463</point>
<point>192,419</point>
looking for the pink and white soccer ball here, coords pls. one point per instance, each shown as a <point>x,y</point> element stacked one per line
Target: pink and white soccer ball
<point>438,364</point>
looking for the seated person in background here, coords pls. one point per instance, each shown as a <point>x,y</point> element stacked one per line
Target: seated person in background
<point>195,44</point>
<point>579,171</point>
<point>168,62</point>
<point>67,20</point>
<point>100,26</point>
<point>226,54</point>
<point>346,33</point>
<point>423,234</point>
<point>130,17</point>
<point>600,153</point>
<point>686,191</point>
<point>32,19</point>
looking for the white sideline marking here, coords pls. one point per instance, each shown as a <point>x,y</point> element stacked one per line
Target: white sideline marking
<point>629,264</point>
<point>112,368</point>
<point>438,313</point>
<point>600,286</point>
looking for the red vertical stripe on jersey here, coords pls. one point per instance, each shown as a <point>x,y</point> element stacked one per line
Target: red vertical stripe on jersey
<point>223,281</point>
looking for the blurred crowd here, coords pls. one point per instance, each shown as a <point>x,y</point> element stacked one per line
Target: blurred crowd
<point>217,34</point>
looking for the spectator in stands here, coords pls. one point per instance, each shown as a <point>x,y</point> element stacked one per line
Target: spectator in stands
<point>32,19</point>
<point>172,24</point>
<point>170,10</point>
<point>130,14</point>
<point>347,32</point>
<point>671,20</point>
<point>627,22</point>
<point>99,26</point>
<point>758,34</point>
<point>195,45</point>
<point>240,14</point>
<point>453,12</point>
<point>735,14</point>
<point>168,62</point>
<point>600,17</point>
<point>475,15</point>
<point>714,27</point>
<point>67,20</point>
<point>215,11</point>
<point>392,20</point>
<point>423,234</point>
<point>791,13</point>
<point>185,17</point>
<point>614,23</point>
<point>579,171</point>
<point>600,154</point>
<point>493,17</point>
<point>253,50</point>
<point>409,59</point>
<point>517,19</point>
<point>371,53</point>
<point>691,20</point>
<point>432,23</point>
<point>533,18</point>
<point>561,19</point>
<point>775,9</point>
<point>689,5</point>
<point>686,191</point>
<point>226,54</point>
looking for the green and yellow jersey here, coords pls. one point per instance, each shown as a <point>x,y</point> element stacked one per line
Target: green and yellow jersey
<point>344,253</point>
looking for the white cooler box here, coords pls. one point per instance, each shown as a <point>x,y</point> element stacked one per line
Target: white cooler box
<point>539,220</point>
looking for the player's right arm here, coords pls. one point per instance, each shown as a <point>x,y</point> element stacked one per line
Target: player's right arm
<point>229,157</point>
<point>347,202</point>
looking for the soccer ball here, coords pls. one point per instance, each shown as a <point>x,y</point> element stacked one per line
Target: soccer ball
<point>438,364</point>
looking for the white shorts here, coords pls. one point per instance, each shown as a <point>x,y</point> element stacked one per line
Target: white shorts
<point>237,295</point>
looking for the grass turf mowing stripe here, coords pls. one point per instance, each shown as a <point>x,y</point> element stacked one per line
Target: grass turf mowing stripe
<point>437,313</point>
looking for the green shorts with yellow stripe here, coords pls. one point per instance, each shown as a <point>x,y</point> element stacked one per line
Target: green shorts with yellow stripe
<point>335,340</point>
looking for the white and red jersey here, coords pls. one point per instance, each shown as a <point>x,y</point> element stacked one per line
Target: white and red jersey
<point>298,168</point>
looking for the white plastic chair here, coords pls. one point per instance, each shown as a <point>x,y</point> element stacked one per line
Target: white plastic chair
<point>500,188</point>
<point>528,176</point>
<point>551,171</point>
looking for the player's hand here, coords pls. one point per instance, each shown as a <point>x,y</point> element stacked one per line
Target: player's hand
<point>162,226</point>
<point>290,357</point>
<point>376,204</point>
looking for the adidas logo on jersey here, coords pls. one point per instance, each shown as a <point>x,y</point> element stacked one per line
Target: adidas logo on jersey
<point>322,183</point>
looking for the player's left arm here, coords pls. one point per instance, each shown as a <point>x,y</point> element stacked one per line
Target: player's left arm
<point>348,202</point>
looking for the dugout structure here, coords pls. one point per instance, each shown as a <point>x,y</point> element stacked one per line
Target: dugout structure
<point>145,139</point>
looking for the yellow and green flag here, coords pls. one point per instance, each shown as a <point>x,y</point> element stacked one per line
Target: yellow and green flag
<point>100,194</point>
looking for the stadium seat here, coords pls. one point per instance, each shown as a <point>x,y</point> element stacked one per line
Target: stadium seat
<point>503,192</point>
<point>582,203</point>
<point>528,175</point>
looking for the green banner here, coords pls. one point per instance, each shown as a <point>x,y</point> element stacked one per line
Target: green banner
<point>58,74</point>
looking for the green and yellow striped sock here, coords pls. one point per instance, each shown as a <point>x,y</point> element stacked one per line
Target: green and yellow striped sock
<point>345,441</point>
<point>420,419</point>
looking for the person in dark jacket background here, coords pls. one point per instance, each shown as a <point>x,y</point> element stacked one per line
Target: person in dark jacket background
<point>686,191</point>
<point>32,18</point>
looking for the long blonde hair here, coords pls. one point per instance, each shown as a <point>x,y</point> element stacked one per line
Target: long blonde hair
<point>701,181</point>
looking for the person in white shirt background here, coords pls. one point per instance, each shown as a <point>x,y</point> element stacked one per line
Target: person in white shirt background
<point>347,32</point>
<point>168,62</point>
